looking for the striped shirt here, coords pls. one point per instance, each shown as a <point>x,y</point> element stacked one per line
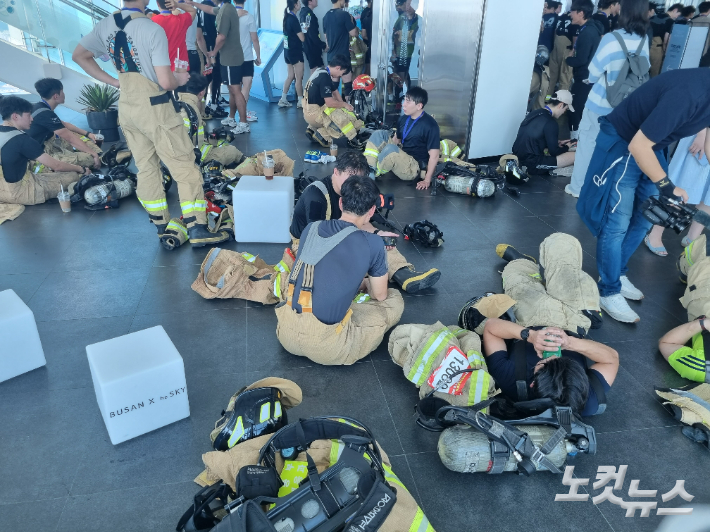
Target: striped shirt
<point>608,60</point>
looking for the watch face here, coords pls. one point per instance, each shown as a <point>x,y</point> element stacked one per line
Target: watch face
<point>524,334</point>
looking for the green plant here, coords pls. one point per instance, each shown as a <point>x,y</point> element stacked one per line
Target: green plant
<point>98,98</point>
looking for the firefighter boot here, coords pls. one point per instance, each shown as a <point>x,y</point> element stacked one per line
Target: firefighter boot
<point>508,253</point>
<point>200,236</point>
<point>412,281</point>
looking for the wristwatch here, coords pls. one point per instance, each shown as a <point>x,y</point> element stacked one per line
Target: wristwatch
<point>702,324</point>
<point>524,334</point>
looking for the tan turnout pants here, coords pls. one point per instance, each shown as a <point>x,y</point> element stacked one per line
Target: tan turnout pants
<point>386,157</point>
<point>344,343</point>
<point>656,56</point>
<point>331,123</point>
<point>61,150</point>
<point>155,133</point>
<point>560,71</point>
<point>34,189</point>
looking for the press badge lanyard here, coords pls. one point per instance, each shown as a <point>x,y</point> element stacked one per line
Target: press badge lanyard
<point>408,130</point>
<point>548,110</point>
<point>132,9</point>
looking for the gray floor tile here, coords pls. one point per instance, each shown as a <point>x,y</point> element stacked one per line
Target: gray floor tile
<point>25,515</point>
<point>24,284</point>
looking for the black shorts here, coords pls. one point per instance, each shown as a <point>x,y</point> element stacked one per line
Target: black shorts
<point>315,60</point>
<point>248,69</point>
<point>293,57</point>
<point>539,164</point>
<point>193,59</point>
<point>231,75</point>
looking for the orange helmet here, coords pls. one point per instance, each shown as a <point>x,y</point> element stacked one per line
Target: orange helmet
<point>364,82</point>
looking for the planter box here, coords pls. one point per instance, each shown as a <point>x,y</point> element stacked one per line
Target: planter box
<point>105,122</point>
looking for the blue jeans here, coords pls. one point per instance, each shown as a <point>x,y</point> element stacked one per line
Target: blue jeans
<point>625,226</point>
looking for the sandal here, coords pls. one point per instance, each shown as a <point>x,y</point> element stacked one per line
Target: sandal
<point>685,242</point>
<point>660,250</point>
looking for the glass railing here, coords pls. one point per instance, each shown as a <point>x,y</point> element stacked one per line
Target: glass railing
<point>52,28</point>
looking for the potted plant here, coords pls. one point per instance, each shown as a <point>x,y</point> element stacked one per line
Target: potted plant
<point>100,103</point>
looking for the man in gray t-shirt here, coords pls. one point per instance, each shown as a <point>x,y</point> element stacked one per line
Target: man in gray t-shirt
<point>153,128</point>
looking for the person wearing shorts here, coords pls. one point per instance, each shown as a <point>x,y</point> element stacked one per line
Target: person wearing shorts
<point>293,52</point>
<point>251,49</point>
<point>313,46</point>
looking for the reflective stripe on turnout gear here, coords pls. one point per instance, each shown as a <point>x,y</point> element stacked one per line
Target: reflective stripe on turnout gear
<point>277,285</point>
<point>435,345</point>
<point>420,523</point>
<point>361,298</point>
<point>177,227</point>
<point>204,150</point>
<point>282,267</point>
<point>248,256</point>
<point>190,206</point>
<point>371,152</point>
<point>155,205</point>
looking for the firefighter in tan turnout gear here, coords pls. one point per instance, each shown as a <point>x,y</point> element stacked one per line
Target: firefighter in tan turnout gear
<point>329,117</point>
<point>148,115</point>
<point>17,149</point>
<point>338,306</point>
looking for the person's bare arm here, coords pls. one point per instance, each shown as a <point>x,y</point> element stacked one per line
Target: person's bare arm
<point>378,287</point>
<point>354,32</point>
<point>196,5</point>
<point>431,168</point>
<point>73,139</point>
<point>677,337</point>
<point>337,103</point>
<point>606,359</point>
<point>183,6</point>
<point>170,80</point>
<point>85,59</point>
<point>257,47</point>
<point>707,141</point>
<point>218,44</point>
<point>201,43</point>
<point>641,147</point>
<point>60,166</point>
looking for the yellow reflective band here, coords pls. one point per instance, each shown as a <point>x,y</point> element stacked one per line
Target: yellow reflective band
<point>277,410</point>
<point>85,139</point>
<point>478,390</point>
<point>420,523</point>
<point>535,275</point>
<point>335,450</point>
<point>154,206</point>
<point>178,227</point>
<point>205,150</point>
<point>248,256</point>
<point>347,128</point>
<point>328,110</point>
<point>353,62</point>
<point>237,433</point>
<point>359,55</point>
<point>369,152</point>
<point>456,152</point>
<point>188,207</point>
<point>444,147</point>
<point>282,267</point>
<point>392,478</point>
<point>435,345</point>
<point>277,286</point>
<point>350,114</point>
<point>201,130</point>
<point>447,159</point>
<point>380,171</point>
<point>37,168</point>
<point>689,252</point>
<point>221,143</point>
<point>265,412</point>
<point>186,122</point>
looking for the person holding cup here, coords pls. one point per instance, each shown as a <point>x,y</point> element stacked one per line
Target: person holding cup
<point>17,149</point>
<point>176,18</point>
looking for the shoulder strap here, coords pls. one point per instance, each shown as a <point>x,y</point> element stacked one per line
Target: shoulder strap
<point>321,186</point>
<point>192,117</point>
<point>122,58</point>
<point>621,42</point>
<point>7,136</point>
<point>598,388</point>
<point>640,48</point>
<point>316,247</point>
<point>315,74</point>
<point>40,110</point>
<point>521,370</point>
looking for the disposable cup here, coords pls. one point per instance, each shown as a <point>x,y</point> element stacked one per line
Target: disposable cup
<point>99,139</point>
<point>333,149</point>
<point>64,201</point>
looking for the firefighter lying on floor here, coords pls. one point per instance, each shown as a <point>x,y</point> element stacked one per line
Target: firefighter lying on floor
<point>17,184</point>
<point>222,152</point>
<point>338,306</point>
<point>228,274</point>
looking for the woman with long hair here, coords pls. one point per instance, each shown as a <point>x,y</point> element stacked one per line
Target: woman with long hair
<point>604,69</point>
<point>293,52</point>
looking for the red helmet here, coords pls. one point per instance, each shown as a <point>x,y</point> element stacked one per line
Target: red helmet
<point>364,82</point>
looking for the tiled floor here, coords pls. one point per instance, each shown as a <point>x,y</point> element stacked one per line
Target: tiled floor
<point>89,277</point>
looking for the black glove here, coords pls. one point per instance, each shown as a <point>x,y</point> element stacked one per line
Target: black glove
<point>666,188</point>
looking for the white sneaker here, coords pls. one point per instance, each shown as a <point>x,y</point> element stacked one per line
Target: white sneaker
<point>299,105</point>
<point>629,291</point>
<point>569,191</point>
<point>284,103</point>
<point>617,307</point>
<point>242,127</point>
<point>251,116</point>
<point>229,122</point>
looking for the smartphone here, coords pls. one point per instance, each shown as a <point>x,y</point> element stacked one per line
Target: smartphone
<point>390,240</point>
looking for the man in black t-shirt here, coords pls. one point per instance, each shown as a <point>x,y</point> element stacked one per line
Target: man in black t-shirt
<point>565,379</point>
<point>656,34</point>
<point>328,116</point>
<point>631,155</point>
<point>606,15</point>
<point>207,28</point>
<point>313,46</point>
<point>62,140</point>
<point>339,27</point>
<point>672,14</point>
<point>17,149</point>
<point>419,137</point>
<point>366,23</point>
<point>321,201</point>
<point>338,306</point>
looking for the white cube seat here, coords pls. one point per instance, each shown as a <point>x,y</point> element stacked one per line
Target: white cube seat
<point>139,380</point>
<point>263,209</point>
<point>20,346</point>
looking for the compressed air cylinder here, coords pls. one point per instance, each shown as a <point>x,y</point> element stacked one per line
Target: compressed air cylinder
<point>466,450</point>
<point>99,193</point>
<point>465,185</point>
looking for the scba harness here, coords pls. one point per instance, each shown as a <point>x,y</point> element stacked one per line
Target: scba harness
<point>351,495</point>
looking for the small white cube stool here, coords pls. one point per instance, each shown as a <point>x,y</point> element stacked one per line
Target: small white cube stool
<point>263,209</point>
<point>20,346</point>
<point>139,380</point>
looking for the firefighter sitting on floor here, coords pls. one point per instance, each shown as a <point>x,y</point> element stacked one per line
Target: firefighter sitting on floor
<point>17,184</point>
<point>223,152</point>
<point>329,117</point>
<point>62,140</point>
<point>338,306</point>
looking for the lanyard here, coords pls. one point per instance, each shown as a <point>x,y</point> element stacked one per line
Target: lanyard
<point>548,110</point>
<point>45,103</point>
<point>238,7</point>
<point>294,14</point>
<point>132,9</point>
<point>408,130</point>
<point>166,12</point>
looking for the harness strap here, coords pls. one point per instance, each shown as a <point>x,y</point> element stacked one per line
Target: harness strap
<point>521,370</point>
<point>324,190</point>
<point>122,58</point>
<point>7,136</point>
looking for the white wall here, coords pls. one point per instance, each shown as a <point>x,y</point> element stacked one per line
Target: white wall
<point>504,74</point>
<point>21,69</point>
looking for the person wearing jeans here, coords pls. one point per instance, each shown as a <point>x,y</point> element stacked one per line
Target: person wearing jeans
<point>629,164</point>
